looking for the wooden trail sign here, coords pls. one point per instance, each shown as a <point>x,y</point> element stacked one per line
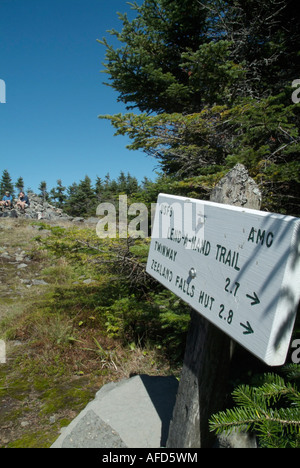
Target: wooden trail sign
<point>239,268</point>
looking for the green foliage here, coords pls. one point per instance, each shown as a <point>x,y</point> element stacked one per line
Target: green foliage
<point>183,144</point>
<point>270,409</point>
<point>128,303</point>
<point>20,184</point>
<point>160,319</point>
<point>213,83</point>
<point>6,184</point>
<point>81,200</point>
<point>58,195</point>
<point>146,69</point>
<point>43,190</point>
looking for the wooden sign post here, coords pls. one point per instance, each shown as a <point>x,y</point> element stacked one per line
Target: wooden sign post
<point>239,269</point>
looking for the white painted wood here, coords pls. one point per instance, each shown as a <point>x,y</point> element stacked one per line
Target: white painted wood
<point>239,268</point>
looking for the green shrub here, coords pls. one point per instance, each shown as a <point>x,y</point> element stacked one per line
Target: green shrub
<point>271,410</point>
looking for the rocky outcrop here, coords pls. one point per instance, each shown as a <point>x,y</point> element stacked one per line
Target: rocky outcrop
<point>42,210</point>
<point>237,188</point>
<point>38,209</point>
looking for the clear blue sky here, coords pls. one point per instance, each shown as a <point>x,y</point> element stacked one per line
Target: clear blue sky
<point>51,61</point>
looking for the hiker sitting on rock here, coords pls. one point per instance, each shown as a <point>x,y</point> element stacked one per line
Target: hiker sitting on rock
<point>6,200</point>
<point>23,201</point>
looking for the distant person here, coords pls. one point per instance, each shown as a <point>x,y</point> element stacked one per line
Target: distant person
<point>23,201</point>
<point>6,200</point>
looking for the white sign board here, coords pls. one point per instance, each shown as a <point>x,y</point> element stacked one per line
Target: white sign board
<point>237,267</point>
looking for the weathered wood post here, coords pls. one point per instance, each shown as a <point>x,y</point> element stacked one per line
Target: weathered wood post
<point>207,357</point>
<point>202,385</point>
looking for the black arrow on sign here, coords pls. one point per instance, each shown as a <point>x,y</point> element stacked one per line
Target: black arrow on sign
<point>248,329</point>
<point>254,299</point>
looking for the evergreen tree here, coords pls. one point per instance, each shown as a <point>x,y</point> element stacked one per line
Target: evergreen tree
<point>181,55</point>
<point>107,181</point>
<point>43,190</point>
<point>219,90</point>
<point>82,199</point>
<point>99,189</point>
<point>264,37</point>
<point>122,183</point>
<point>109,189</point>
<point>58,194</point>
<point>146,70</point>
<point>6,184</point>
<point>20,184</point>
<point>145,183</point>
<point>271,410</point>
<point>71,194</point>
<point>132,185</point>
<point>71,203</point>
